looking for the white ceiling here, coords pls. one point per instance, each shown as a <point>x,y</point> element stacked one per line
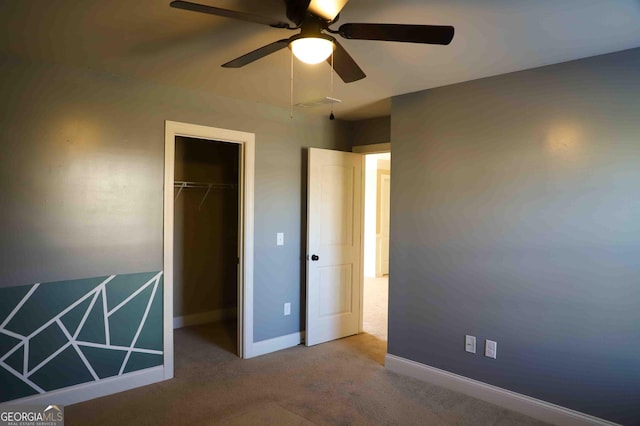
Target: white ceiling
<point>147,39</point>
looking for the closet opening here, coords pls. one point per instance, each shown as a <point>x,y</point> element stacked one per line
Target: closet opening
<point>206,256</point>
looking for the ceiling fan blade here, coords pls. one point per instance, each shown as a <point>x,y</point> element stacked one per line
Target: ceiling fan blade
<point>195,7</point>
<point>428,34</point>
<point>327,9</point>
<point>257,54</point>
<point>345,66</point>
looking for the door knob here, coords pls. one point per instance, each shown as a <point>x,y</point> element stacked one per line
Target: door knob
<point>314,257</point>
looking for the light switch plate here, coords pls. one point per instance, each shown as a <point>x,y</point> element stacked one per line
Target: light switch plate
<point>280,238</point>
<point>287,308</point>
<point>470,344</point>
<point>491,349</point>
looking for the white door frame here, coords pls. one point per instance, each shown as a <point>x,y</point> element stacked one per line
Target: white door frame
<point>378,148</point>
<point>383,175</point>
<point>246,221</point>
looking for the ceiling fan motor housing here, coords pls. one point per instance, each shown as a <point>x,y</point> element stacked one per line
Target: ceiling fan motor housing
<point>313,26</point>
<point>297,10</point>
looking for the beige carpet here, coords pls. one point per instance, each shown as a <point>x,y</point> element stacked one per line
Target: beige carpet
<point>337,383</point>
<point>375,306</point>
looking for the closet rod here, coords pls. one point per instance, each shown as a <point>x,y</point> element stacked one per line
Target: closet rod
<point>201,185</point>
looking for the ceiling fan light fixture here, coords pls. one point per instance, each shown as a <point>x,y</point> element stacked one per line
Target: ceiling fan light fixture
<point>312,50</point>
<point>327,9</point>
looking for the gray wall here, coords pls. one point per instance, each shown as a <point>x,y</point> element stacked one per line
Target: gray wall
<point>82,179</point>
<point>370,131</point>
<point>516,217</point>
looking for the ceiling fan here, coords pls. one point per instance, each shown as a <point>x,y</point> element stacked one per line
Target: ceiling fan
<point>313,45</point>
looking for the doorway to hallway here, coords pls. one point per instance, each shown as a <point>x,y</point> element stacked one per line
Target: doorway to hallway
<point>376,245</point>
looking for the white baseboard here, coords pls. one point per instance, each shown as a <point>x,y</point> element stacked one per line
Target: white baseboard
<point>276,344</point>
<point>527,405</point>
<point>92,390</point>
<point>204,317</point>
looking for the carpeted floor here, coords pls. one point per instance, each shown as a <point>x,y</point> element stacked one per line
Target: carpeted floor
<point>341,382</point>
<point>375,306</point>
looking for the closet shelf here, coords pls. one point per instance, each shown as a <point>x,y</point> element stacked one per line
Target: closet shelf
<point>201,185</point>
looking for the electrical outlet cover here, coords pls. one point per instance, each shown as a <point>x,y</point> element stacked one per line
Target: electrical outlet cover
<point>491,349</point>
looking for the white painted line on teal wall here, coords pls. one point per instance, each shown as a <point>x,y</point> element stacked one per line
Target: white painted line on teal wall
<point>70,307</point>
<point>8,354</point>
<point>144,319</point>
<point>49,358</point>
<point>118,348</point>
<point>104,314</point>
<point>22,377</point>
<point>137,292</point>
<point>86,314</point>
<point>74,343</point>
<point>18,306</point>
<point>25,361</point>
<point>12,334</point>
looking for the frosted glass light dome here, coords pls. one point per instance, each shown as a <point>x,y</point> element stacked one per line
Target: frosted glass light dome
<point>312,50</point>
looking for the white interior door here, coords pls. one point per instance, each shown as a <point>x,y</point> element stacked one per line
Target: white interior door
<point>334,215</point>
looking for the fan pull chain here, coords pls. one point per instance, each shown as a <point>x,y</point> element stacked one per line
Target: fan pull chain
<point>291,98</point>
<point>331,116</point>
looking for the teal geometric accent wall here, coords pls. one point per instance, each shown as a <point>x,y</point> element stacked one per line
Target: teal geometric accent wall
<point>59,334</point>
